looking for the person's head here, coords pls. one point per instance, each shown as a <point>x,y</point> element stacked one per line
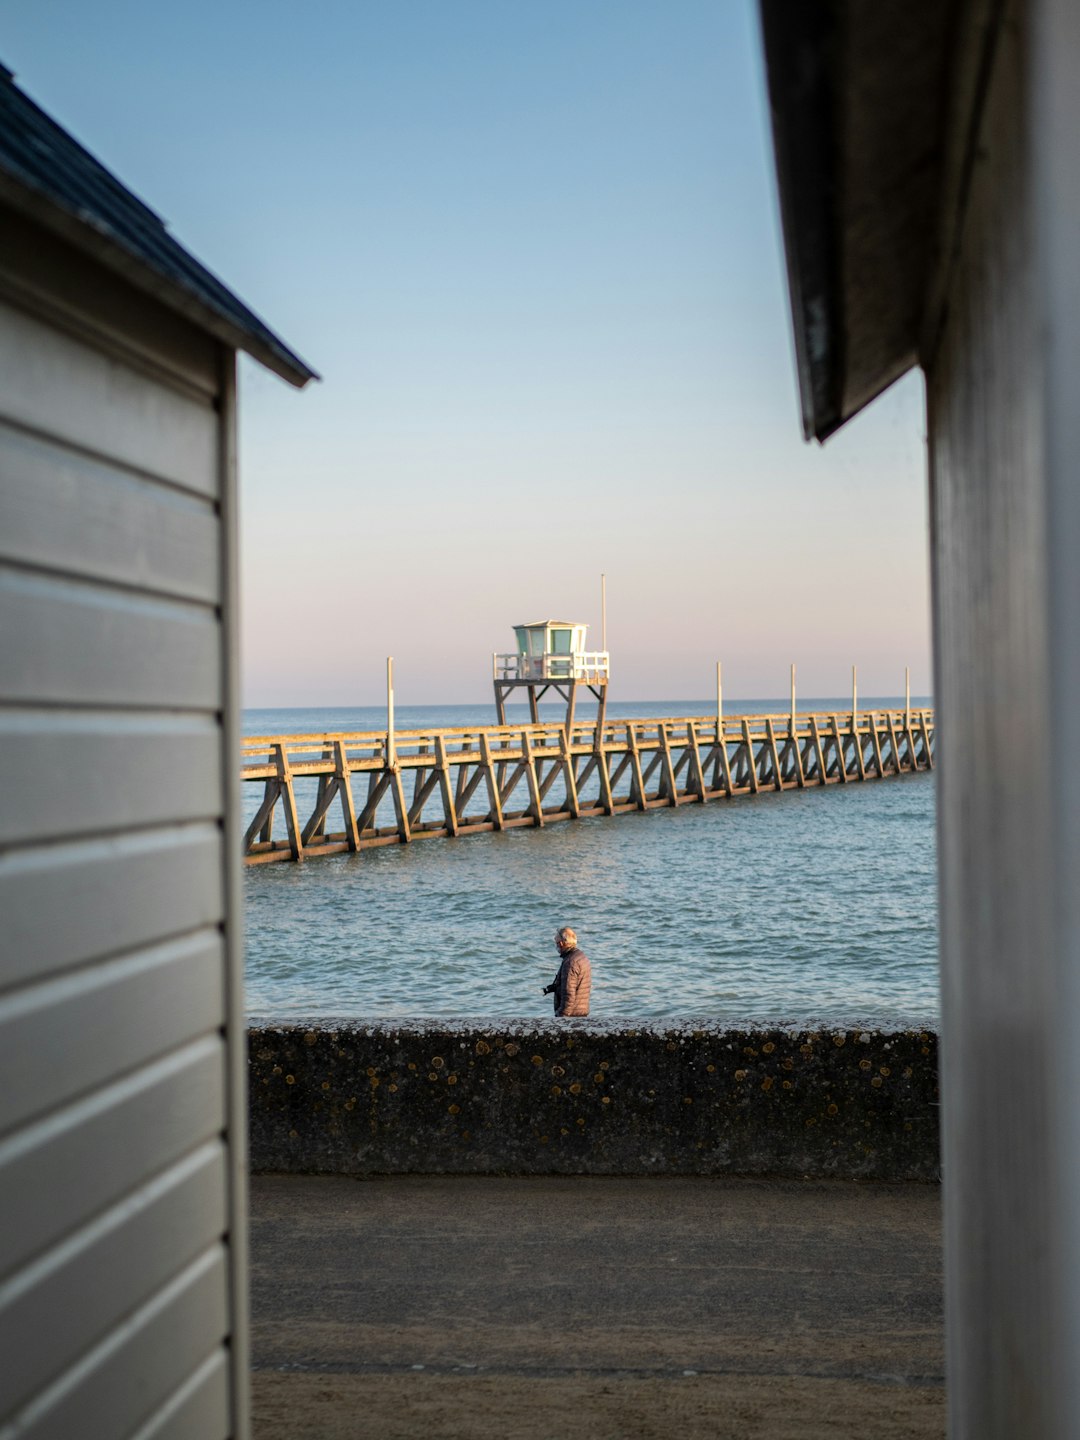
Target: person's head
<point>565,939</point>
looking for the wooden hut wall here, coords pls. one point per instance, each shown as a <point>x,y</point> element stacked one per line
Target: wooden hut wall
<point>121,1204</point>
<point>1003,430</point>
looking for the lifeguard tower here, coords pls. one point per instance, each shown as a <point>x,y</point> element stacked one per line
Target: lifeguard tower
<point>551,655</point>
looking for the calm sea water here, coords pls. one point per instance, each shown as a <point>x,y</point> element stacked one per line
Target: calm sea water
<point>811,905</point>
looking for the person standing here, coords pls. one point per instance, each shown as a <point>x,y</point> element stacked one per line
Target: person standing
<point>572,984</point>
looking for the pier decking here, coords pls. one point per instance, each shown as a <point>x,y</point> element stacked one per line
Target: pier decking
<point>422,784</point>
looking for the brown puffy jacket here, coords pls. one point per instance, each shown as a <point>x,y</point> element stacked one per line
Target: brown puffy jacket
<point>572,984</point>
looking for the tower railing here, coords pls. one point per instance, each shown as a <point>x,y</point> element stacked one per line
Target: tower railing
<point>591,666</point>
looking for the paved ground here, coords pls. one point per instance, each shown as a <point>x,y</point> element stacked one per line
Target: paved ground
<point>595,1309</point>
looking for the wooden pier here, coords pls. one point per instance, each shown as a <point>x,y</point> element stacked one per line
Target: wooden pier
<point>420,784</point>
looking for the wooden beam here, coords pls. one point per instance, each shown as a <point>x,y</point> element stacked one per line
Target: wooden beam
<point>263,820</point>
<point>348,809</point>
<point>669,769</point>
<point>288,801</point>
<point>446,789</point>
<point>819,753</point>
<point>569,778</point>
<point>875,732</point>
<point>778,783</point>
<point>695,762</point>
<point>841,758</point>
<point>495,814</point>
<point>638,786</point>
<point>748,742</point>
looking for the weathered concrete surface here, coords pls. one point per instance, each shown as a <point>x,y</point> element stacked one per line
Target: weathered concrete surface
<point>584,1098</point>
<point>576,1306</point>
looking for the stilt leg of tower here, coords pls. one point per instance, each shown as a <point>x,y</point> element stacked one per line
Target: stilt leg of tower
<point>601,705</point>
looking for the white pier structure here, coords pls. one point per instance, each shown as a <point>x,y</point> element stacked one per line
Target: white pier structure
<point>551,656</point>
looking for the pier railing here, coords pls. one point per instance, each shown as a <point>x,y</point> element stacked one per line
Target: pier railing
<point>432,783</point>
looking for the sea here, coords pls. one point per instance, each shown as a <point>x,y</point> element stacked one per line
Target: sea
<point>806,907</point>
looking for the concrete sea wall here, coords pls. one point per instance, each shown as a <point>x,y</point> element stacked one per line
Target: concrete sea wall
<point>583,1097</point>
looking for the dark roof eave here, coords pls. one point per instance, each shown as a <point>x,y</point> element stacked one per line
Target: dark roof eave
<point>800,40</point>
<point>860,97</point>
<point>90,237</point>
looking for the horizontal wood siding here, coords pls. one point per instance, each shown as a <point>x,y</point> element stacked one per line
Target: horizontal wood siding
<point>67,774</point>
<point>173,1345</point>
<point>100,646</point>
<point>117,1183</point>
<point>65,389</point>
<point>66,512</point>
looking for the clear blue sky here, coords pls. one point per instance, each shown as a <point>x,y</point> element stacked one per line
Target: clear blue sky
<point>533,249</point>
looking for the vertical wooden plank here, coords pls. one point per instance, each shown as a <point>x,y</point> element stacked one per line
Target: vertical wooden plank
<point>462,774</point>
<point>236,1012</point>
<point>535,800</point>
<point>910,736</point>
<point>695,762</point>
<point>603,771</point>
<point>875,733</point>
<point>819,752</point>
<point>638,793</point>
<point>348,809</point>
<point>668,768</point>
<point>841,758</point>
<point>450,819</point>
<point>419,780</point>
<point>800,777</point>
<point>778,783</point>
<point>895,745</point>
<point>495,814</point>
<point>288,800</point>
<point>725,761</point>
<point>750,759</point>
<point>569,778</point>
<point>927,748</point>
<point>401,809</point>
<point>860,763</point>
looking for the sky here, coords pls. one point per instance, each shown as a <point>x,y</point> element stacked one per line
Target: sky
<point>533,250</point>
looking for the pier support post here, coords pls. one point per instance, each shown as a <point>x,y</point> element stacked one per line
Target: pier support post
<point>288,800</point>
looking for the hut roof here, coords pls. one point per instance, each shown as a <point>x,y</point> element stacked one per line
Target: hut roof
<point>46,173</point>
<point>858,95</point>
<point>540,624</point>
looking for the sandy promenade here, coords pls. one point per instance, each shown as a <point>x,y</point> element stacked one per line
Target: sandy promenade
<point>595,1309</point>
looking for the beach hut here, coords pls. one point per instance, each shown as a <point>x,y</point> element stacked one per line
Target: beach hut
<point>929,190</point>
<point>550,656</point>
<point>122,1115</point>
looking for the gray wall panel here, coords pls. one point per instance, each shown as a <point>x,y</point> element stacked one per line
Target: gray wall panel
<point>60,386</point>
<point>66,1302</point>
<point>66,904</point>
<point>72,644</point>
<point>64,774</point>
<point>105,1020</point>
<point>121,1130</point>
<point>66,512</point>
<point>111,1140</point>
<point>164,1358</point>
<point>200,1410</point>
